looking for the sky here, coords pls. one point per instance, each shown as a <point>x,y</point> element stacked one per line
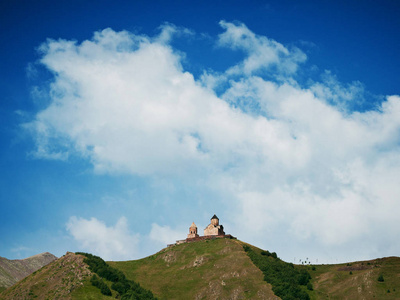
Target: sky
<point>122,122</point>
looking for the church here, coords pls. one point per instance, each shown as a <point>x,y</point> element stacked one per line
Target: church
<point>214,229</point>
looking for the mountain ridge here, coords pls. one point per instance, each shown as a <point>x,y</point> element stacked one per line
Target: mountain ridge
<point>56,280</point>
<point>212,269</point>
<point>13,270</point>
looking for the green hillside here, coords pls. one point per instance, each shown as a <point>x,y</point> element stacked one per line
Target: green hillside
<point>210,269</point>
<point>221,269</point>
<point>72,277</point>
<point>54,281</point>
<point>213,269</point>
<point>358,280</point>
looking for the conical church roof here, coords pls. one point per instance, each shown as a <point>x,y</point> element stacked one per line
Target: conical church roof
<point>214,217</point>
<point>193,225</point>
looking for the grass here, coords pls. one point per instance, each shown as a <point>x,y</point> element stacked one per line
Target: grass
<point>288,281</point>
<point>336,282</point>
<point>205,269</point>
<point>171,274</point>
<point>104,272</point>
<point>54,281</point>
<point>213,269</point>
<point>90,292</point>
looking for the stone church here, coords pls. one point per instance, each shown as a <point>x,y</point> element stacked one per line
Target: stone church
<point>212,231</point>
<point>214,228</point>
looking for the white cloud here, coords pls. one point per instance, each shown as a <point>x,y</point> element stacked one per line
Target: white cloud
<point>168,31</point>
<point>343,97</point>
<point>117,242</point>
<point>290,159</point>
<point>109,242</point>
<point>165,235</point>
<point>262,53</point>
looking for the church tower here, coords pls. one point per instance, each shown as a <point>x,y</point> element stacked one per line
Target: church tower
<point>215,220</point>
<point>192,231</point>
<point>214,228</point>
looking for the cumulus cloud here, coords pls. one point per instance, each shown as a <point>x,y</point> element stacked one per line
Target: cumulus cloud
<point>348,98</point>
<point>109,242</point>
<point>262,53</point>
<point>289,157</point>
<point>168,31</point>
<point>165,234</point>
<point>117,242</point>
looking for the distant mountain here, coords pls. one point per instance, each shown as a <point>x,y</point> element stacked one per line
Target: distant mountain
<point>12,271</point>
<point>214,269</point>
<point>54,281</point>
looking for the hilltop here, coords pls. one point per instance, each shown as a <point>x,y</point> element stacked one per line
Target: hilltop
<point>208,269</point>
<point>12,271</point>
<point>221,269</point>
<point>217,268</point>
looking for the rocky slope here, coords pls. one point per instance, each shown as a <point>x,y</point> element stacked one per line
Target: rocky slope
<point>54,281</point>
<point>12,271</point>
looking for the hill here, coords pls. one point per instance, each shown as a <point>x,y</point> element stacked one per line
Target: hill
<point>12,271</point>
<point>215,269</point>
<point>374,279</point>
<point>54,281</point>
<point>209,269</point>
<point>76,276</point>
<point>221,269</point>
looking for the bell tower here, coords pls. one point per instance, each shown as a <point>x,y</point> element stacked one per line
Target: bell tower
<point>192,231</point>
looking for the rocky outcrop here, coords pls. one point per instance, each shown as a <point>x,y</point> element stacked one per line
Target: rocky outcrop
<point>12,271</point>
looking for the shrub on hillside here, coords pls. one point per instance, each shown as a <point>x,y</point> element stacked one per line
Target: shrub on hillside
<point>286,280</point>
<point>266,253</point>
<point>127,289</point>
<point>121,287</point>
<point>99,283</point>
<point>133,295</point>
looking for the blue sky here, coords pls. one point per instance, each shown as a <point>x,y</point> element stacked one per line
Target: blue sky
<point>122,122</point>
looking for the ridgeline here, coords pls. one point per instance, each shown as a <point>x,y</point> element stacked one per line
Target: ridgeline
<point>208,269</point>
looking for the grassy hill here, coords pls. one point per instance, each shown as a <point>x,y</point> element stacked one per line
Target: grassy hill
<point>213,269</point>
<point>68,277</point>
<point>12,271</point>
<point>54,281</point>
<point>358,280</point>
<point>210,269</point>
<point>221,269</point>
